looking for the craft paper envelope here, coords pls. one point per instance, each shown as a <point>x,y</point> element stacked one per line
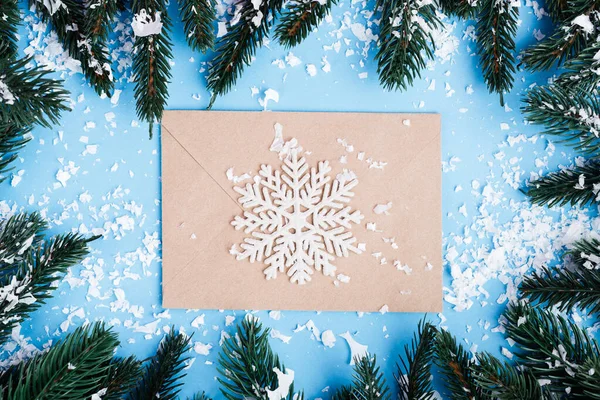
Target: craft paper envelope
<point>199,203</point>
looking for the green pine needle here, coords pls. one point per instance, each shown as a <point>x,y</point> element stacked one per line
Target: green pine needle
<point>10,19</point>
<point>34,276</point>
<point>162,375</point>
<point>581,70</point>
<point>563,187</point>
<point>496,31</point>
<point>200,396</point>
<point>299,19</point>
<point>586,253</point>
<point>198,17</point>
<point>588,379</point>
<point>459,8</point>
<point>151,66</point>
<point>572,115</point>
<point>74,368</point>
<point>414,374</point>
<point>455,366</point>
<point>18,234</point>
<point>550,345</point>
<point>368,382</point>
<point>12,139</point>
<point>567,41</point>
<point>564,289</point>
<point>123,375</point>
<point>37,98</point>
<point>81,43</point>
<point>499,380</point>
<point>247,364</point>
<point>405,42</point>
<point>236,49</point>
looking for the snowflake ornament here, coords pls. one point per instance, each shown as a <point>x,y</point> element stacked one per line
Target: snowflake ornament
<point>298,219</point>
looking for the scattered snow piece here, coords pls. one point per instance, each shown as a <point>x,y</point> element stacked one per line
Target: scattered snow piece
<point>406,122</point>
<point>281,146</point>
<point>583,21</point>
<point>292,60</point>
<point>98,395</point>
<point>328,338</point>
<point>199,320</point>
<point>275,314</point>
<point>236,179</point>
<point>275,334</point>
<point>202,348</point>
<point>382,208</point>
<point>270,94</point>
<point>311,69</point>
<point>357,350</point>
<point>143,25</point>
<point>384,309</point>
<point>284,379</point>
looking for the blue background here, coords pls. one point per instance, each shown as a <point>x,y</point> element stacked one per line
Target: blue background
<point>474,136</point>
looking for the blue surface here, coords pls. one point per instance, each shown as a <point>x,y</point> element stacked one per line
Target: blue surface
<point>473,136</point>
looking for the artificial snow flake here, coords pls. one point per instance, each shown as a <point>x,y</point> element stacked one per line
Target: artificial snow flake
<point>144,25</point>
<point>298,220</point>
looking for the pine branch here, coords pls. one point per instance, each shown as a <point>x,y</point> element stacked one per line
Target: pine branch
<point>369,382</point>
<point>558,10</point>
<point>74,368</point>
<point>456,368</point>
<point>67,18</point>
<point>586,253</point>
<point>18,234</point>
<point>405,42</point>
<point>581,70</point>
<point>123,375</point>
<point>574,115</point>
<point>414,376</point>
<point>162,375</point>
<point>567,186</point>
<point>31,284</point>
<point>299,19</point>
<point>459,8</point>
<point>28,96</point>
<point>496,31</point>
<point>200,396</point>
<point>499,380</point>
<point>151,66</point>
<point>567,41</point>
<point>9,23</point>
<point>550,345</point>
<point>588,380</point>
<point>12,139</point>
<point>198,17</point>
<point>564,289</point>
<point>247,364</point>
<point>236,49</point>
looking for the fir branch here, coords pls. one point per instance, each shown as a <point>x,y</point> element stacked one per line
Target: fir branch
<point>300,18</point>
<point>496,31</point>
<point>456,368</point>
<point>368,382</point>
<point>459,8</point>
<point>12,139</point>
<point>236,49</point>
<point>582,70</point>
<point>200,396</point>
<point>550,345</point>
<point>18,234</point>
<point>499,380</point>
<point>151,66</point>
<point>30,97</point>
<point>9,23</point>
<point>564,289</point>
<point>414,375</point>
<point>122,376</point>
<point>74,368</point>
<point>586,253</point>
<point>567,41</point>
<point>573,115</point>
<point>247,364</point>
<point>567,186</point>
<point>405,42</point>
<point>31,284</point>
<point>69,22</point>
<point>558,10</point>
<point>198,17</point>
<point>587,378</point>
<point>162,375</point>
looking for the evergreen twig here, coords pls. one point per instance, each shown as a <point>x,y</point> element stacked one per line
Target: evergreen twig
<point>456,368</point>
<point>247,364</point>
<point>9,23</point>
<point>122,376</point>
<point>581,71</point>
<point>299,19</point>
<point>18,234</point>
<point>550,345</point>
<point>573,115</point>
<point>198,17</point>
<point>74,368</point>
<point>12,139</point>
<point>162,375</point>
<point>151,66</point>
<point>405,41</point>
<point>499,380</point>
<point>32,282</point>
<point>586,253</point>
<point>368,382</point>
<point>496,31</point>
<point>414,373</point>
<point>459,8</point>
<point>236,49</point>
<point>567,186</point>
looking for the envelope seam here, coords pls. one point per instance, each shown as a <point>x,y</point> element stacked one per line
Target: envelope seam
<point>204,169</point>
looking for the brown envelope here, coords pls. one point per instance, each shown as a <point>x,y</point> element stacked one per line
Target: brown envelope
<point>199,204</point>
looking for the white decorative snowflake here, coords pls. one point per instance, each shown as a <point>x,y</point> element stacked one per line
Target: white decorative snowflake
<point>298,219</point>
